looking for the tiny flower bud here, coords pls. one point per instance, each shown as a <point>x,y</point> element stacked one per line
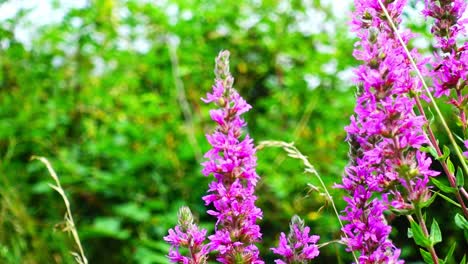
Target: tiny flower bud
<point>221,102</point>
<point>367,16</point>
<point>382,55</point>
<point>374,63</point>
<point>413,173</point>
<point>373,33</point>
<point>185,218</point>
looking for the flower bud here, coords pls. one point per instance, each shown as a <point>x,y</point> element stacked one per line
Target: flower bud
<point>373,33</point>
<point>185,218</point>
<point>221,102</point>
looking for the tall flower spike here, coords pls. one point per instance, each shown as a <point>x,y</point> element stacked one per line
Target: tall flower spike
<point>232,162</point>
<point>450,66</point>
<point>299,247</point>
<point>386,167</point>
<point>187,235</point>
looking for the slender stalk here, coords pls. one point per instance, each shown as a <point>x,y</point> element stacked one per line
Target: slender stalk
<point>329,243</point>
<point>70,224</point>
<point>422,223</point>
<point>439,113</point>
<point>293,152</point>
<point>461,111</point>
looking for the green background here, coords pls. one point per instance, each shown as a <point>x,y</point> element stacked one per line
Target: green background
<point>110,93</point>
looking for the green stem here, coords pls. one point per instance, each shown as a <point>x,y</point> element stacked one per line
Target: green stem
<point>422,223</point>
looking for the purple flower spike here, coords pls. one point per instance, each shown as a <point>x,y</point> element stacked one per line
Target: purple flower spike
<point>299,247</point>
<point>450,65</point>
<point>232,162</point>
<point>386,169</point>
<point>187,235</point>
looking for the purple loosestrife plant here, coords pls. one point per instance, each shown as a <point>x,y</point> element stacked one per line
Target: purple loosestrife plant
<point>298,247</point>
<point>386,170</point>
<point>232,162</point>
<point>450,66</point>
<point>187,235</point>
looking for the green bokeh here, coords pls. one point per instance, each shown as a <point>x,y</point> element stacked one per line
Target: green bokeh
<point>99,93</point>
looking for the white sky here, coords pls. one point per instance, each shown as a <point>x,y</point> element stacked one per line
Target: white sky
<point>42,13</point>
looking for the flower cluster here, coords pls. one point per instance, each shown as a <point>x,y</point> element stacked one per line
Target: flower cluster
<point>448,24</point>
<point>187,235</point>
<point>299,247</point>
<point>232,162</point>
<point>386,167</point>
<point>450,66</point>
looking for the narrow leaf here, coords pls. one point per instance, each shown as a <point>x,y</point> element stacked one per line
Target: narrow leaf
<point>436,235</point>
<point>460,178</point>
<point>444,188</point>
<point>418,235</point>
<point>428,202</point>
<point>461,222</point>
<point>450,166</point>
<point>446,153</point>
<point>426,256</point>
<point>450,252</point>
<point>448,199</point>
<point>432,151</point>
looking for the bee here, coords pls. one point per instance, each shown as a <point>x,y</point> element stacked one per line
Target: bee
<point>459,50</point>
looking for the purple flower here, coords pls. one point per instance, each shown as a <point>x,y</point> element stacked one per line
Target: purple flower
<point>450,65</point>
<point>187,235</point>
<point>447,21</point>
<point>299,247</point>
<point>232,162</point>
<point>386,169</point>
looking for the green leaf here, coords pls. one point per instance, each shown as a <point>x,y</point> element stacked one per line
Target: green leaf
<point>460,178</point>
<point>431,118</point>
<point>432,151</point>
<point>463,261</point>
<point>461,222</point>
<point>436,235</point>
<point>428,202</point>
<point>450,166</point>
<point>450,252</point>
<point>426,256</point>
<point>444,188</point>
<point>446,153</point>
<point>418,235</point>
<point>448,199</point>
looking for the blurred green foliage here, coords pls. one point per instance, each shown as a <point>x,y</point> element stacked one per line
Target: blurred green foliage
<point>101,93</point>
